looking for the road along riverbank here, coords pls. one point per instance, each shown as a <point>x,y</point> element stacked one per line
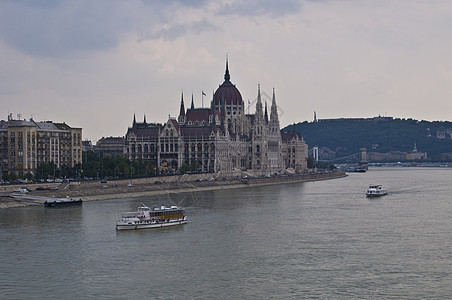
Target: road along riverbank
<point>90,191</point>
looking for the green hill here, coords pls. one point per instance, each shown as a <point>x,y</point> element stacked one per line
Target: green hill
<point>344,137</point>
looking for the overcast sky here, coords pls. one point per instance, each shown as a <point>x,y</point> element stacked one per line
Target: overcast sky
<point>93,64</point>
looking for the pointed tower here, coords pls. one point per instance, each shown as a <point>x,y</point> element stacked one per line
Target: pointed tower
<point>192,102</point>
<point>227,77</point>
<point>213,111</point>
<point>258,156</point>
<point>144,120</point>
<point>134,120</point>
<point>266,113</point>
<point>274,119</point>
<point>274,142</point>
<point>181,118</point>
<point>259,116</point>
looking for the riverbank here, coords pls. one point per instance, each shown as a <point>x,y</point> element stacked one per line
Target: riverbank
<point>91,191</point>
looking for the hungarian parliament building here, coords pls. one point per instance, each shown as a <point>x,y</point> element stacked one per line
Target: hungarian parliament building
<point>219,139</point>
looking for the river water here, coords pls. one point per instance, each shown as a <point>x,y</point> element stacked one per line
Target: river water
<point>321,239</point>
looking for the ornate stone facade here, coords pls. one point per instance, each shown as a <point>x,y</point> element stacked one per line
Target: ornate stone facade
<point>220,139</point>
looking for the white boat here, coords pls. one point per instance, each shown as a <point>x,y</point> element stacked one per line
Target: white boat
<point>375,190</point>
<point>155,217</point>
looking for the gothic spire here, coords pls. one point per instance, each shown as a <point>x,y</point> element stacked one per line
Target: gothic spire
<point>134,120</point>
<point>259,112</point>
<point>181,118</point>
<point>192,102</point>
<point>182,106</point>
<point>274,119</point>
<point>213,111</point>
<point>227,77</point>
<point>144,119</point>
<point>266,113</point>
<point>212,103</point>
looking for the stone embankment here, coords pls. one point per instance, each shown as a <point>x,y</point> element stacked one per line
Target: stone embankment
<point>95,190</point>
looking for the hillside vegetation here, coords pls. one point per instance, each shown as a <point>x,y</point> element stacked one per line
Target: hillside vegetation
<point>345,137</point>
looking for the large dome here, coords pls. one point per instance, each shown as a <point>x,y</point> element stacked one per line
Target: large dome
<point>227,92</point>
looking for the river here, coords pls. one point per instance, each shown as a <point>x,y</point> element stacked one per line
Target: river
<point>320,239</point>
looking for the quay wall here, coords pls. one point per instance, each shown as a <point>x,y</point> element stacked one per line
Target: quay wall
<point>95,190</point>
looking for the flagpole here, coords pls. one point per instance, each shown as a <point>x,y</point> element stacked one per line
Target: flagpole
<point>202,98</point>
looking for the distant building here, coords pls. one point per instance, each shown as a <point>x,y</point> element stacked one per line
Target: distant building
<point>294,152</point>
<point>221,138</point>
<point>396,156</point>
<point>441,133</point>
<point>446,156</point>
<point>415,155</point>
<point>26,144</point>
<point>87,146</point>
<point>377,157</point>
<point>110,146</point>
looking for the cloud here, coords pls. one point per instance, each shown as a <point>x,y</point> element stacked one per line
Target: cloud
<point>53,28</point>
<point>254,8</point>
<point>173,31</point>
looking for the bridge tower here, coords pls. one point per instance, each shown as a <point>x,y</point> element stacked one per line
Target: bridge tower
<point>363,158</point>
<point>315,153</point>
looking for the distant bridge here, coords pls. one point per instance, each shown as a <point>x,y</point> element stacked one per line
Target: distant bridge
<point>329,158</point>
<point>354,158</point>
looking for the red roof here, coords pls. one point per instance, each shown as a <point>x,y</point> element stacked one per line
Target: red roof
<point>196,131</point>
<point>288,136</point>
<point>198,116</point>
<point>229,93</point>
